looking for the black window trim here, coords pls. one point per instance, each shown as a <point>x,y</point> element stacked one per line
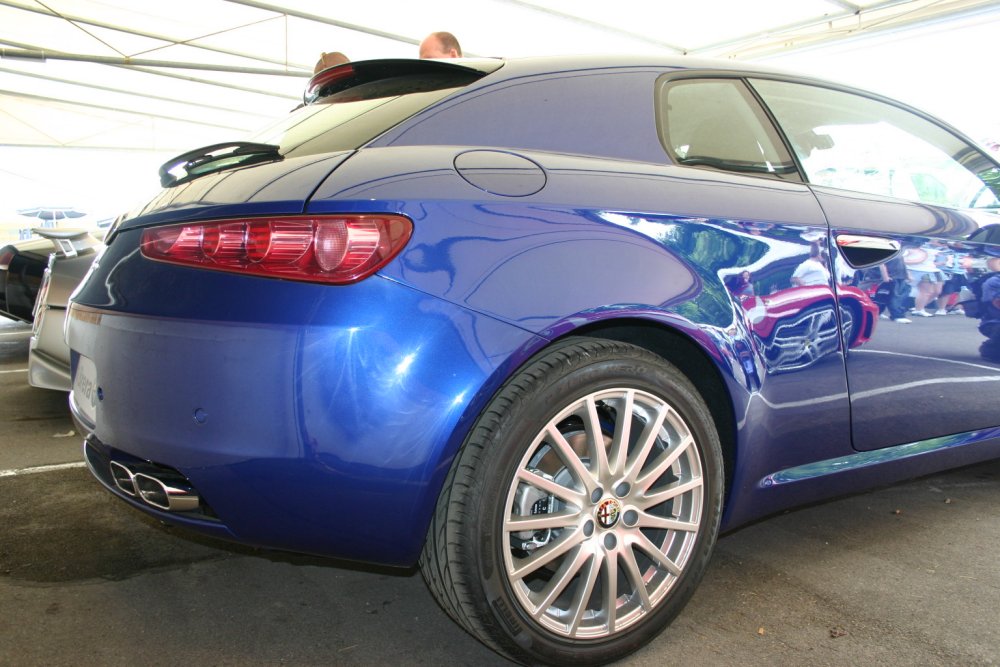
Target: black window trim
<point>730,75</point>
<point>745,76</point>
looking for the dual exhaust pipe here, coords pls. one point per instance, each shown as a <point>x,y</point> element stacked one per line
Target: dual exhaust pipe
<point>163,489</point>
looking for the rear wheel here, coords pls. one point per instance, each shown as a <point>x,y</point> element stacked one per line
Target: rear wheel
<point>581,512</point>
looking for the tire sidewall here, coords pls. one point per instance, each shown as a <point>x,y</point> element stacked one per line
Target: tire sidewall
<point>580,374</point>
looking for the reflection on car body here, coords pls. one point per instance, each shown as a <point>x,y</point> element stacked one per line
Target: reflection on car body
<point>482,316</point>
<point>798,326</point>
<point>22,265</point>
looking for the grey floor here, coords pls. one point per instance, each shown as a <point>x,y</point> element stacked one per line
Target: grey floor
<point>907,575</point>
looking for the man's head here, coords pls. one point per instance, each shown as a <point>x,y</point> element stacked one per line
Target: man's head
<point>440,45</point>
<point>330,60</point>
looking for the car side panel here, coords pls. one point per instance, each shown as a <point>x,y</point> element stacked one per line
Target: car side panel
<point>608,241</point>
<point>925,379</point>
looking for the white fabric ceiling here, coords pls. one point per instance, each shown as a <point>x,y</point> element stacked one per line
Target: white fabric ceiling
<point>125,85</point>
<point>167,76</point>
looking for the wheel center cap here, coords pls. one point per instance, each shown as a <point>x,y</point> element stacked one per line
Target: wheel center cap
<point>608,512</point>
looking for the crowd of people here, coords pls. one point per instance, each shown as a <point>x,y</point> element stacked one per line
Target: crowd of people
<point>933,275</point>
<point>930,280</point>
<point>933,280</point>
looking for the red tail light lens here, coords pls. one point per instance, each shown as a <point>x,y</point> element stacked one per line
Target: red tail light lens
<point>324,249</point>
<point>6,255</point>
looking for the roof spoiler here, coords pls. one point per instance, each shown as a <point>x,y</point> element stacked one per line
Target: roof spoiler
<point>347,75</point>
<point>67,242</point>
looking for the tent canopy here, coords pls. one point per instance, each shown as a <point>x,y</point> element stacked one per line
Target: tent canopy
<point>167,76</point>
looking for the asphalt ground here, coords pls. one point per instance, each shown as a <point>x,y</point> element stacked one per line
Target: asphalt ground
<point>905,575</point>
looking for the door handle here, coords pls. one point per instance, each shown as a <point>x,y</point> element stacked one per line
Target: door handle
<point>862,252</point>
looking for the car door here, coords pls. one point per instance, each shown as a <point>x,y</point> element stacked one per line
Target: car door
<point>895,183</point>
<point>771,259</point>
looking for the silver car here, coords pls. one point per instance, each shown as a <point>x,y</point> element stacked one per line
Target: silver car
<point>48,356</point>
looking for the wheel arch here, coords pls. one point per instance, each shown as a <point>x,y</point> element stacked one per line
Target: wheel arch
<point>459,575</point>
<point>691,359</point>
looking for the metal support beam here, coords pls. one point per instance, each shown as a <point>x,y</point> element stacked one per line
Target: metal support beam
<point>210,82</point>
<point>278,9</point>
<point>150,35</point>
<point>87,105</point>
<point>852,7</point>
<point>873,18</point>
<point>173,75</point>
<point>33,54</point>
<point>603,27</point>
<point>133,93</point>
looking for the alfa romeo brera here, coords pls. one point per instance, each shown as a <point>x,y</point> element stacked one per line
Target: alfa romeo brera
<point>543,326</point>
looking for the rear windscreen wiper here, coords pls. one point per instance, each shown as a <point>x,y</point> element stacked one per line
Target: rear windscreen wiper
<point>216,157</point>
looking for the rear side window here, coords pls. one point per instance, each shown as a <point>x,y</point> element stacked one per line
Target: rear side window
<point>601,112</point>
<point>849,141</point>
<point>334,124</point>
<point>717,124</point>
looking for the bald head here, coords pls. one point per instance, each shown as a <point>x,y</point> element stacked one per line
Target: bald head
<point>440,45</point>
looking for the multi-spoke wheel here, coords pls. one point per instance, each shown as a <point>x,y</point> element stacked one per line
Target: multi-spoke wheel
<point>604,511</point>
<point>581,512</point>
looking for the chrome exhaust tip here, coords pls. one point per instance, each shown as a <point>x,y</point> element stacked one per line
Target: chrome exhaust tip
<point>123,477</point>
<point>172,497</point>
<point>169,491</point>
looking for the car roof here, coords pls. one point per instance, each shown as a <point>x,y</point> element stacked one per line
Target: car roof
<point>542,64</point>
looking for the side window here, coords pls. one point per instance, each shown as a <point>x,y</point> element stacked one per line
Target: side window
<point>987,234</point>
<point>856,143</point>
<point>602,113</point>
<point>716,123</point>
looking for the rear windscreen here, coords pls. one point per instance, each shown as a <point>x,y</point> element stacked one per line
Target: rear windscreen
<point>350,118</point>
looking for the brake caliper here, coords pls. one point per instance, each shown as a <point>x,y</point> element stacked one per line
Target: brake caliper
<point>531,501</point>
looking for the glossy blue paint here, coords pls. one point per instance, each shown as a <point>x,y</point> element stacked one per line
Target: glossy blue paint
<point>329,416</point>
<point>554,269</point>
<point>913,384</point>
<point>273,188</point>
<point>500,173</point>
<point>854,462</point>
<point>366,424</point>
<point>861,471</point>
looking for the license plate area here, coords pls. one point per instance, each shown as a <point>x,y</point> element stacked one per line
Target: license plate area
<point>85,389</point>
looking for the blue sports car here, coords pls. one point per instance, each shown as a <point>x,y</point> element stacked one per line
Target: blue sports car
<point>543,326</point>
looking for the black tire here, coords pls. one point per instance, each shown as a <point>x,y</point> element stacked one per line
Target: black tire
<point>595,518</point>
<point>851,325</point>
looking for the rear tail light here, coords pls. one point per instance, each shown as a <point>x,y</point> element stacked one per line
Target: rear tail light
<point>6,255</point>
<point>325,249</point>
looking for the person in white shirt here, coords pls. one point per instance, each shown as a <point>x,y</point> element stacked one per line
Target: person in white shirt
<point>812,271</point>
<point>926,275</point>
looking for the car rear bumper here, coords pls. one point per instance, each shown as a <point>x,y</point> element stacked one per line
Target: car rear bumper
<point>48,356</point>
<point>46,372</point>
<point>331,439</point>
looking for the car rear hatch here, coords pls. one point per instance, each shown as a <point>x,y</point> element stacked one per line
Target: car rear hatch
<point>274,171</point>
